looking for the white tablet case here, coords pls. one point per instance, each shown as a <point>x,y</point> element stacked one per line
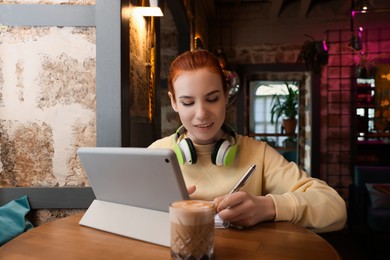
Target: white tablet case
<point>143,224</point>
<point>133,189</point>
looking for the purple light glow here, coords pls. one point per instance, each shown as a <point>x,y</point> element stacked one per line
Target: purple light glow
<point>324,46</point>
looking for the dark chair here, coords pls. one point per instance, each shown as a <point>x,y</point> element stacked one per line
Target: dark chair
<point>364,216</point>
<point>290,156</point>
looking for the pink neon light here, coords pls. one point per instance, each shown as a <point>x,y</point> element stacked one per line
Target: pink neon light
<point>324,46</point>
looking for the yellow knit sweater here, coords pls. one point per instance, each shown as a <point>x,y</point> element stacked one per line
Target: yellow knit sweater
<point>298,198</point>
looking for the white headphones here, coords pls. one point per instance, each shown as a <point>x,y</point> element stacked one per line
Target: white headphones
<point>223,152</point>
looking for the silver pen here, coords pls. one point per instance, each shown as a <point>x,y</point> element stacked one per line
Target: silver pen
<point>244,179</point>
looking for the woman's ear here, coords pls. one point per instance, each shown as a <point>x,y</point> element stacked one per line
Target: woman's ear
<point>173,102</point>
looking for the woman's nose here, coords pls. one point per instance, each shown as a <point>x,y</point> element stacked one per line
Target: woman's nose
<point>201,111</point>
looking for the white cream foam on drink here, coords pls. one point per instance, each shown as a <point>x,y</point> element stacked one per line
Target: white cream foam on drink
<point>192,212</point>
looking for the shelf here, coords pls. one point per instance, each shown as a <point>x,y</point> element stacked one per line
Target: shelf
<point>376,135</point>
<point>360,105</point>
<point>285,149</point>
<point>373,153</point>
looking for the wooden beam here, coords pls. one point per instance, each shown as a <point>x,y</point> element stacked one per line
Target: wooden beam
<point>47,15</point>
<point>180,18</point>
<point>344,8</point>
<point>109,72</point>
<point>304,8</point>
<point>50,197</point>
<point>275,9</point>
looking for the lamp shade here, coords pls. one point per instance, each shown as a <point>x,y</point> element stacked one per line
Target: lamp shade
<point>152,10</point>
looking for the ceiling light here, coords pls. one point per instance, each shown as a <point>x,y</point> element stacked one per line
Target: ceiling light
<point>152,10</point>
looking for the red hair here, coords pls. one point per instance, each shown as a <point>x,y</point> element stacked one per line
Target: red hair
<point>194,60</point>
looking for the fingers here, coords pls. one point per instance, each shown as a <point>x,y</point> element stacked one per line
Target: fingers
<point>230,214</point>
<point>248,211</point>
<point>217,201</point>
<point>229,201</point>
<point>236,209</point>
<point>191,189</point>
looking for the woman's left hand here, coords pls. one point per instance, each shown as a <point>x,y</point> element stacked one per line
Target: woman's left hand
<point>191,189</point>
<point>243,209</point>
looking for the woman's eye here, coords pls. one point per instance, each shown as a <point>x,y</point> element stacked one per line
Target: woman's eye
<point>212,100</point>
<point>186,104</point>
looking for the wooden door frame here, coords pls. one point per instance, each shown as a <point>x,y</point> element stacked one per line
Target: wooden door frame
<point>249,72</point>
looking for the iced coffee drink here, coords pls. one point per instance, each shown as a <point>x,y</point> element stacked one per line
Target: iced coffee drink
<point>192,229</point>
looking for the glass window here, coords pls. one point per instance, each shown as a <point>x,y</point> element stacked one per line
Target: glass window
<point>261,96</point>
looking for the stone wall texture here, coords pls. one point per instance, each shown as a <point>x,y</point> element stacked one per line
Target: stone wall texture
<point>140,47</point>
<point>169,50</point>
<point>47,106</point>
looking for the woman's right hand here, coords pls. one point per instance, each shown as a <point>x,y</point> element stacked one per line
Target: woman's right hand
<point>243,209</point>
<point>191,189</point>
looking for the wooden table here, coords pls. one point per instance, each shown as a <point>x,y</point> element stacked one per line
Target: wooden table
<point>66,239</point>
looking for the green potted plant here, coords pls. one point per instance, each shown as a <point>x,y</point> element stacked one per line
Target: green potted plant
<point>286,105</point>
<point>314,54</point>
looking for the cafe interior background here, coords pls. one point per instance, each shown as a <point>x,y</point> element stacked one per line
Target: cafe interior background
<point>94,73</point>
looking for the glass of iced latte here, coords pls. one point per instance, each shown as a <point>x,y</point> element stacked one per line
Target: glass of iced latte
<point>192,229</point>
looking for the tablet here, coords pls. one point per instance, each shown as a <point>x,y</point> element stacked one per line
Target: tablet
<point>140,177</point>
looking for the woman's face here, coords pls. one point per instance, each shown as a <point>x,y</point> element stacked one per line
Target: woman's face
<point>201,103</point>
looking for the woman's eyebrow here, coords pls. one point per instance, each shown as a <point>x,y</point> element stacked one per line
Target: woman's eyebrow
<point>213,92</point>
<point>185,97</point>
<point>207,94</point>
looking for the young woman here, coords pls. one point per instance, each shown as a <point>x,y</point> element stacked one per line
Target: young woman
<point>213,157</point>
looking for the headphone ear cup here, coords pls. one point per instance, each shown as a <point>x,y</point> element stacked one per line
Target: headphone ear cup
<point>188,151</point>
<point>179,154</point>
<point>218,152</point>
<point>230,155</point>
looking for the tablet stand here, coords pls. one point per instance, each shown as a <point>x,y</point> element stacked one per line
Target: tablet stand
<point>138,223</point>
